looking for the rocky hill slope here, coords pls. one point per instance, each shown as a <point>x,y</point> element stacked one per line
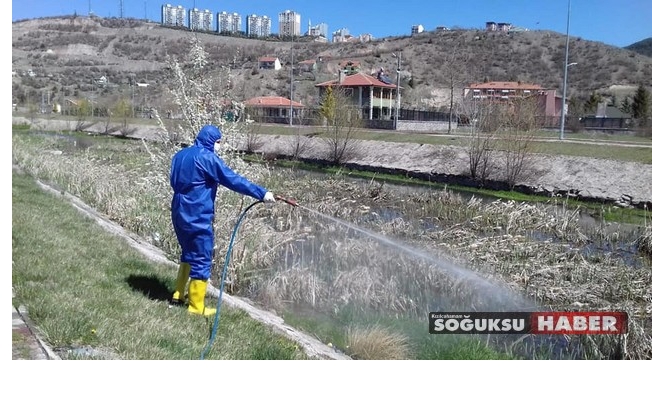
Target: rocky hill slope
<point>63,58</point>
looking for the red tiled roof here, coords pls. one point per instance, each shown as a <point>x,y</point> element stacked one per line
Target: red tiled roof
<point>349,63</point>
<point>359,79</point>
<point>267,59</point>
<point>505,85</point>
<point>271,101</point>
<point>307,62</point>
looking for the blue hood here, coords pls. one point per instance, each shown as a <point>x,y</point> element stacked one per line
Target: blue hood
<point>207,137</point>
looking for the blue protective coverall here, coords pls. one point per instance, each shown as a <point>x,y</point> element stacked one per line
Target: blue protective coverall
<point>195,175</point>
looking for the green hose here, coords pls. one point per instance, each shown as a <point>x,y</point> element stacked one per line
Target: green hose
<point>211,340</point>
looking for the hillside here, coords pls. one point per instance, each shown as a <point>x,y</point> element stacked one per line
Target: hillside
<point>642,47</point>
<point>66,55</point>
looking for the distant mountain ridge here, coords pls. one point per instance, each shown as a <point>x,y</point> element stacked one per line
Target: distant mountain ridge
<point>67,55</point>
<point>642,47</point>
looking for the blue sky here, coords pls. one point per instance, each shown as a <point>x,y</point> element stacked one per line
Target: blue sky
<point>618,23</point>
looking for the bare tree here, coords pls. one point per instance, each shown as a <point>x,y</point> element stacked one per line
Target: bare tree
<point>299,144</point>
<point>453,68</point>
<point>481,142</point>
<point>342,123</point>
<point>517,139</point>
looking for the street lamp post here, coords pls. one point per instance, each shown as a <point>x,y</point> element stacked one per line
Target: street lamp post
<point>563,97</point>
<point>398,88</point>
<point>291,79</point>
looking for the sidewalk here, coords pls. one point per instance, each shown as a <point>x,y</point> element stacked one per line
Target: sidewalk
<point>25,343</point>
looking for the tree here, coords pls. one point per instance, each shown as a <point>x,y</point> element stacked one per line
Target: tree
<point>626,106</point>
<point>342,122</point>
<point>591,105</point>
<point>452,69</point>
<point>641,106</point>
<point>480,142</point>
<point>122,111</point>
<point>518,139</point>
<point>202,93</point>
<point>83,110</point>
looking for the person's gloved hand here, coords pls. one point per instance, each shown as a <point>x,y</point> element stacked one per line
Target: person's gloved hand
<point>269,198</point>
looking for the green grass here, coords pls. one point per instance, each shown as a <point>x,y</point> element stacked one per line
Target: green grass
<point>423,345</point>
<point>85,287</point>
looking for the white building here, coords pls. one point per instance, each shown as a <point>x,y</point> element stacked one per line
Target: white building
<point>416,29</point>
<point>229,22</point>
<point>318,30</point>
<point>200,20</point>
<point>259,26</point>
<point>341,35</point>
<point>289,24</point>
<point>173,15</point>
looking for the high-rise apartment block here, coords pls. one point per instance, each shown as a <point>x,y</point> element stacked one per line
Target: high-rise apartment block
<point>259,26</point>
<point>289,24</point>
<point>200,20</point>
<point>173,15</point>
<point>229,22</point>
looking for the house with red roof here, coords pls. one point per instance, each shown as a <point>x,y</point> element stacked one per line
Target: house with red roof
<point>273,109</point>
<point>548,103</point>
<point>375,99</point>
<point>350,67</point>
<point>269,62</point>
<point>308,66</point>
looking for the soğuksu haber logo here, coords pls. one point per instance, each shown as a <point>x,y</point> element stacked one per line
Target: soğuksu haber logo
<point>547,322</point>
<point>479,322</point>
<point>579,323</point>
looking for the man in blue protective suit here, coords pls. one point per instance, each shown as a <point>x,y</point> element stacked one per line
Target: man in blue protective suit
<point>197,171</point>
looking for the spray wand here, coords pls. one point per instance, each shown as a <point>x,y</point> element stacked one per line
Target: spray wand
<point>287,200</point>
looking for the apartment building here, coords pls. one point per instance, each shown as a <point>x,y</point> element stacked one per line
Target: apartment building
<point>258,26</point>
<point>498,27</point>
<point>547,102</point>
<point>200,20</point>
<point>501,90</point>
<point>173,15</point>
<point>416,29</point>
<point>289,24</point>
<point>341,35</point>
<point>318,30</point>
<point>229,22</point>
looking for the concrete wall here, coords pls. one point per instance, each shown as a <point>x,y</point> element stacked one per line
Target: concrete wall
<point>425,126</point>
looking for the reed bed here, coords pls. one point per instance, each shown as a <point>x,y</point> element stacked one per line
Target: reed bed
<point>398,253</point>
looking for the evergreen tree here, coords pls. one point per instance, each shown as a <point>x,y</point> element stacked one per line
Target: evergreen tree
<point>591,105</point>
<point>641,105</point>
<point>626,106</point>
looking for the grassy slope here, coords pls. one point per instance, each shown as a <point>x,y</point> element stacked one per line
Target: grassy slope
<point>85,287</point>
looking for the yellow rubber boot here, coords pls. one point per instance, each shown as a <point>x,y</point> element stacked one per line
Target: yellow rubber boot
<point>179,295</point>
<point>196,295</point>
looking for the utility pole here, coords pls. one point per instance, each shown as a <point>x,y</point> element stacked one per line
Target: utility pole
<point>291,78</point>
<point>398,89</point>
<point>122,9</point>
<point>563,96</point>
<point>133,98</point>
